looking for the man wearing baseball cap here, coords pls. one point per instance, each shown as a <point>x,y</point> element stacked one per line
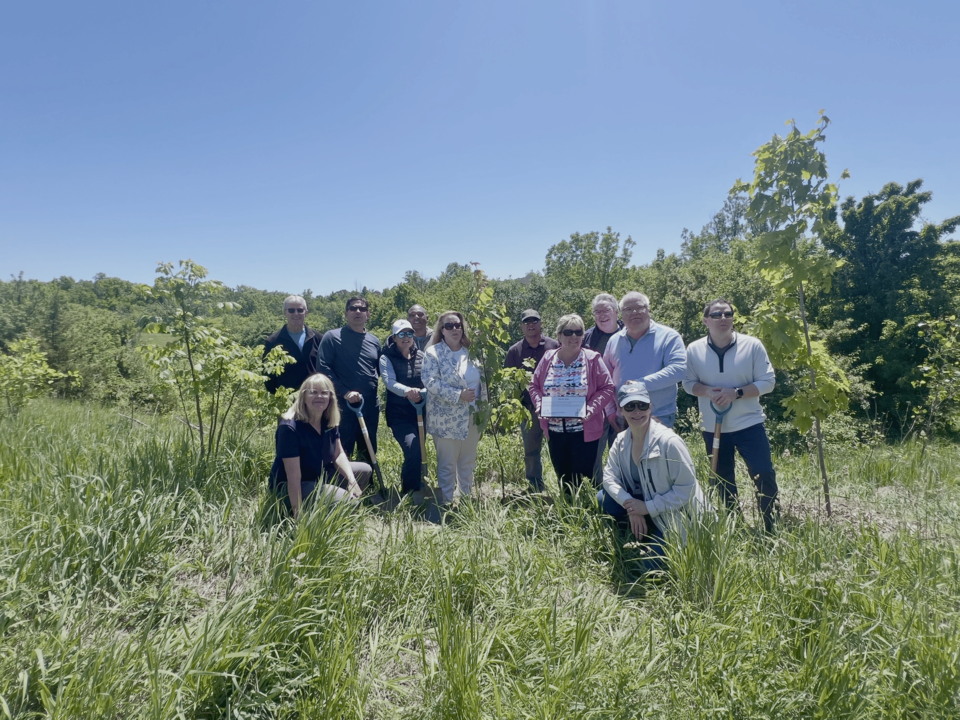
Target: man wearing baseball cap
<point>649,479</point>
<point>533,345</point>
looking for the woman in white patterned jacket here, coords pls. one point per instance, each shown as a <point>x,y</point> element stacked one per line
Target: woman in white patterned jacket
<point>454,383</point>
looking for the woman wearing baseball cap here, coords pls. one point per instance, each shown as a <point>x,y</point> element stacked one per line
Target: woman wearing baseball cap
<point>400,367</point>
<point>649,479</point>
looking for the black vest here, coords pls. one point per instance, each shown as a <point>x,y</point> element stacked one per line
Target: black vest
<point>399,409</point>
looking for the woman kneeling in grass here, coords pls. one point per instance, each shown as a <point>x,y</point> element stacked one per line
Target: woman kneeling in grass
<point>309,451</point>
<point>649,477</point>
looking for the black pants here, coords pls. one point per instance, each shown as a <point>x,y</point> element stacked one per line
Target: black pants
<point>754,447</point>
<point>409,440</point>
<point>350,434</point>
<point>572,458</point>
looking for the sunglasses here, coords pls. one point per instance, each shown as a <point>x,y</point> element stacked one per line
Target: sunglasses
<point>636,405</point>
<point>530,321</point>
<point>568,332</point>
<point>452,326</point>
<point>405,334</point>
<point>297,311</point>
<point>725,314</point>
<point>357,308</point>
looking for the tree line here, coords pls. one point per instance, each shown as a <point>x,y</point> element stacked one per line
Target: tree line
<point>878,290</point>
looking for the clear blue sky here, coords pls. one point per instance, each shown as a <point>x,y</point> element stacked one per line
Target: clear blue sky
<point>331,145</point>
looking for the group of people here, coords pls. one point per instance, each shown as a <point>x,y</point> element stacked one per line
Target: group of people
<point>613,386</point>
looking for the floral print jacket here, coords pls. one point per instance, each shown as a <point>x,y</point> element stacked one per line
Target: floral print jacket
<point>447,417</point>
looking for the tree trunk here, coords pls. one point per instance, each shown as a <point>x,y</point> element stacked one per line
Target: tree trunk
<point>816,420</point>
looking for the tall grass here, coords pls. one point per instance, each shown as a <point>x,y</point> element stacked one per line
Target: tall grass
<point>136,581</point>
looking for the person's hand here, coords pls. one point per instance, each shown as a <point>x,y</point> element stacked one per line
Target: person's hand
<point>468,395</point>
<point>354,489</point>
<point>635,506</point>
<point>721,397</point>
<point>413,394</point>
<point>353,397</point>
<point>638,525</point>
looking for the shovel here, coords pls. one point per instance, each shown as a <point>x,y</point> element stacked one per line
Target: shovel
<point>715,456</point>
<point>418,406</point>
<point>358,409</point>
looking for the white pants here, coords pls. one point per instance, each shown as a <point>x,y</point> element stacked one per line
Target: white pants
<point>456,461</point>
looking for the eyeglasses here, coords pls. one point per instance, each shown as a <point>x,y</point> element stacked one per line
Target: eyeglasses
<point>452,326</point>
<point>319,393</point>
<point>298,311</point>
<point>601,310</point>
<point>357,308</point>
<point>405,334</point>
<point>568,332</point>
<point>725,314</point>
<point>636,405</point>
<point>530,321</point>
<point>634,310</point>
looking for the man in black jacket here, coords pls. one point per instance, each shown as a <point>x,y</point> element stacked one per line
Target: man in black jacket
<point>301,342</point>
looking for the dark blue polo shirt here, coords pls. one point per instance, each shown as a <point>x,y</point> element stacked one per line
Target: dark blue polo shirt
<point>317,451</point>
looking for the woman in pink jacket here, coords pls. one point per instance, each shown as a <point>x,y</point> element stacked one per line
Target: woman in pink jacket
<point>569,390</point>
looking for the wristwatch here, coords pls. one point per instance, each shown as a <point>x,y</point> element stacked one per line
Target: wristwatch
<point>739,393</point>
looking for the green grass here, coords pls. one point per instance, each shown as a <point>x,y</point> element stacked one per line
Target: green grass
<point>138,582</point>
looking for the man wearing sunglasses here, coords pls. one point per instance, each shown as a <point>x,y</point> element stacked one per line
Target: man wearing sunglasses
<point>732,370</point>
<point>350,357</point>
<point>648,352</point>
<point>532,346</point>
<point>418,319</point>
<point>300,342</point>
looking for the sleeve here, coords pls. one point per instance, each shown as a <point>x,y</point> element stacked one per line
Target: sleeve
<point>682,476</point>
<point>610,360</point>
<point>764,376</point>
<point>433,379</point>
<point>536,382</point>
<point>389,376</point>
<point>674,363</point>
<point>690,377</point>
<point>513,357</point>
<point>313,355</point>
<point>327,356</point>
<point>288,444</point>
<point>601,386</point>
<point>613,471</point>
<point>272,382</point>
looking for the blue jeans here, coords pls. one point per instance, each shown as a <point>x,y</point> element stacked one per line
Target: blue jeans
<point>653,539</point>
<point>754,447</point>
<point>409,440</point>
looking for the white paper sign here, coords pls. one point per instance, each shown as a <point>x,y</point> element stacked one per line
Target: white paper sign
<point>573,406</point>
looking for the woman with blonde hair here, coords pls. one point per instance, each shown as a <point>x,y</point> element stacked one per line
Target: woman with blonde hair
<point>454,383</point>
<point>569,390</point>
<point>309,454</point>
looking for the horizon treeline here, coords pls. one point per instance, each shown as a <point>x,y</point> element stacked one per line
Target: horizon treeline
<point>898,269</point>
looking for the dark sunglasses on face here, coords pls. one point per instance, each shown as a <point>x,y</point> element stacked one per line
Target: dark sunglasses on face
<point>530,321</point>
<point>405,334</point>
<point>636,405</point>
<point>357,308</point>
<point>452,326</point>
<point>568,332</point>
<point>295,310</point>
<point>726,314</point>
